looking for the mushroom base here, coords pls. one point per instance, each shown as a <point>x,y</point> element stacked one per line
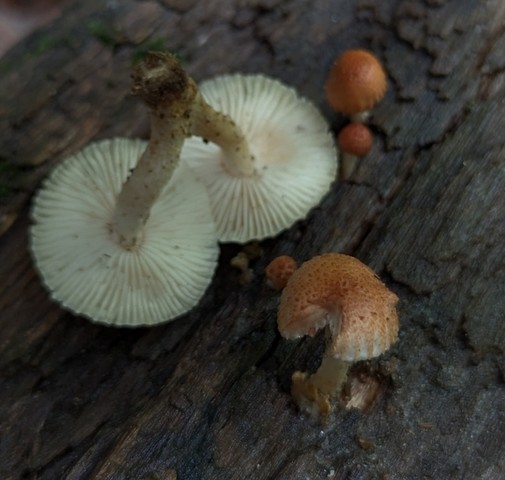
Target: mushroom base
<point>315,393</point>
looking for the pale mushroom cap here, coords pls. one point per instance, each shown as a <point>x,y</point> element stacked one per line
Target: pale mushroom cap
<point>84,267</point>
<point>344,294</point>
<point>295,158</point>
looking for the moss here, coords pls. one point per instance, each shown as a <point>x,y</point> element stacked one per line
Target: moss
<point>6,167</point>
<point>156,44</point>
<point>36,48</point>
<point>46,43</point>
<point>6,67</point>
<point>104,32</point>
<point>5,191</point>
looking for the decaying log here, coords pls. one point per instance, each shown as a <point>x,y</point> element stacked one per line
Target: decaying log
<point>207,396</point>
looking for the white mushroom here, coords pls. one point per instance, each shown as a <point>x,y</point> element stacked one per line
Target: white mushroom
<point>124,241</point>
<point>272,157</point>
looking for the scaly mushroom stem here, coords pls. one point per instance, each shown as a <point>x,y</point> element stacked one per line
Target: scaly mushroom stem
<point>220,129</point>
<point>169,94</point>
<point>314,393</point>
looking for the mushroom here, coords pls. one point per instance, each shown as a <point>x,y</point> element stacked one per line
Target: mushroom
<point>341,294</point>
<point>355,83</point>
<point>279,271</point>
<point>354,140</point>
<point>122,232</point>
<point>272,157</point>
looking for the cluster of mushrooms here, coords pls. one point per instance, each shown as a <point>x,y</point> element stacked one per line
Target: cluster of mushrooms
<point>355,84</point>
<point>343,296</point>
<point>126,232</point>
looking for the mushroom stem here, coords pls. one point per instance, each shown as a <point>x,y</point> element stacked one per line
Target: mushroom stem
<point>360,117</point>
<point>220,129</point>
<point>348,166</point>
<point>314,393</point>
<point>331,375</point>
<point>169,94</point>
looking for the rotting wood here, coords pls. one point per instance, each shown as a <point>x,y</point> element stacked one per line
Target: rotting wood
<point>207,396</point>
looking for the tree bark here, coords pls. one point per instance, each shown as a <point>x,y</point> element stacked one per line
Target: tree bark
<point>207,396</point>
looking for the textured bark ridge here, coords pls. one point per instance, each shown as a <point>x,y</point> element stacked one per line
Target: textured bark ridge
<point>207,396</point>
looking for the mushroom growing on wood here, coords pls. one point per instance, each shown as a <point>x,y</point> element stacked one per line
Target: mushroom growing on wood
<point>356,82</point>
<point>354,140</point>
<point>341,294</point>
<point>279,271</point>
<point>122,233</point>
<point>271,159</point>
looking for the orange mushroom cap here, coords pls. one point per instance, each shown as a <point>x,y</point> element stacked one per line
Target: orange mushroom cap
<point>340,292</point>
<point>356,139</point>
<point>356,82</point>
<point>279,271</point>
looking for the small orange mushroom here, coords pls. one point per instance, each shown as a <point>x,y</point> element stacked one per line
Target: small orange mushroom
<point>356,82</point>
<point>279,271</point>
<point>343,295</point>
<point>354,140</point>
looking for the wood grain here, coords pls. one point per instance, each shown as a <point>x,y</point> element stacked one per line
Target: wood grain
<point>207,396</point>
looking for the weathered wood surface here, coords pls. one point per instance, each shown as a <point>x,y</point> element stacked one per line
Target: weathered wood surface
<point>207,396</point>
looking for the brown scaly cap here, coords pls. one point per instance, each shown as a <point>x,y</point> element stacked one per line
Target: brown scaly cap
<point>344,294</point>
<point>356,82</point>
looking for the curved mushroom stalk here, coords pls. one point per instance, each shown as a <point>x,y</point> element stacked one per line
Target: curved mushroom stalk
<point>219,128</point>
<point>315,393</point>
<point>270,159</point>
<point>341,294</point>
<point>169,93</point>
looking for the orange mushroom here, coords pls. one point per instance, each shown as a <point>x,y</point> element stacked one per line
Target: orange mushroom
<point>356,82</point>
<point>279,271</point>
<point>343,295</point>
<point>354,140</point>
